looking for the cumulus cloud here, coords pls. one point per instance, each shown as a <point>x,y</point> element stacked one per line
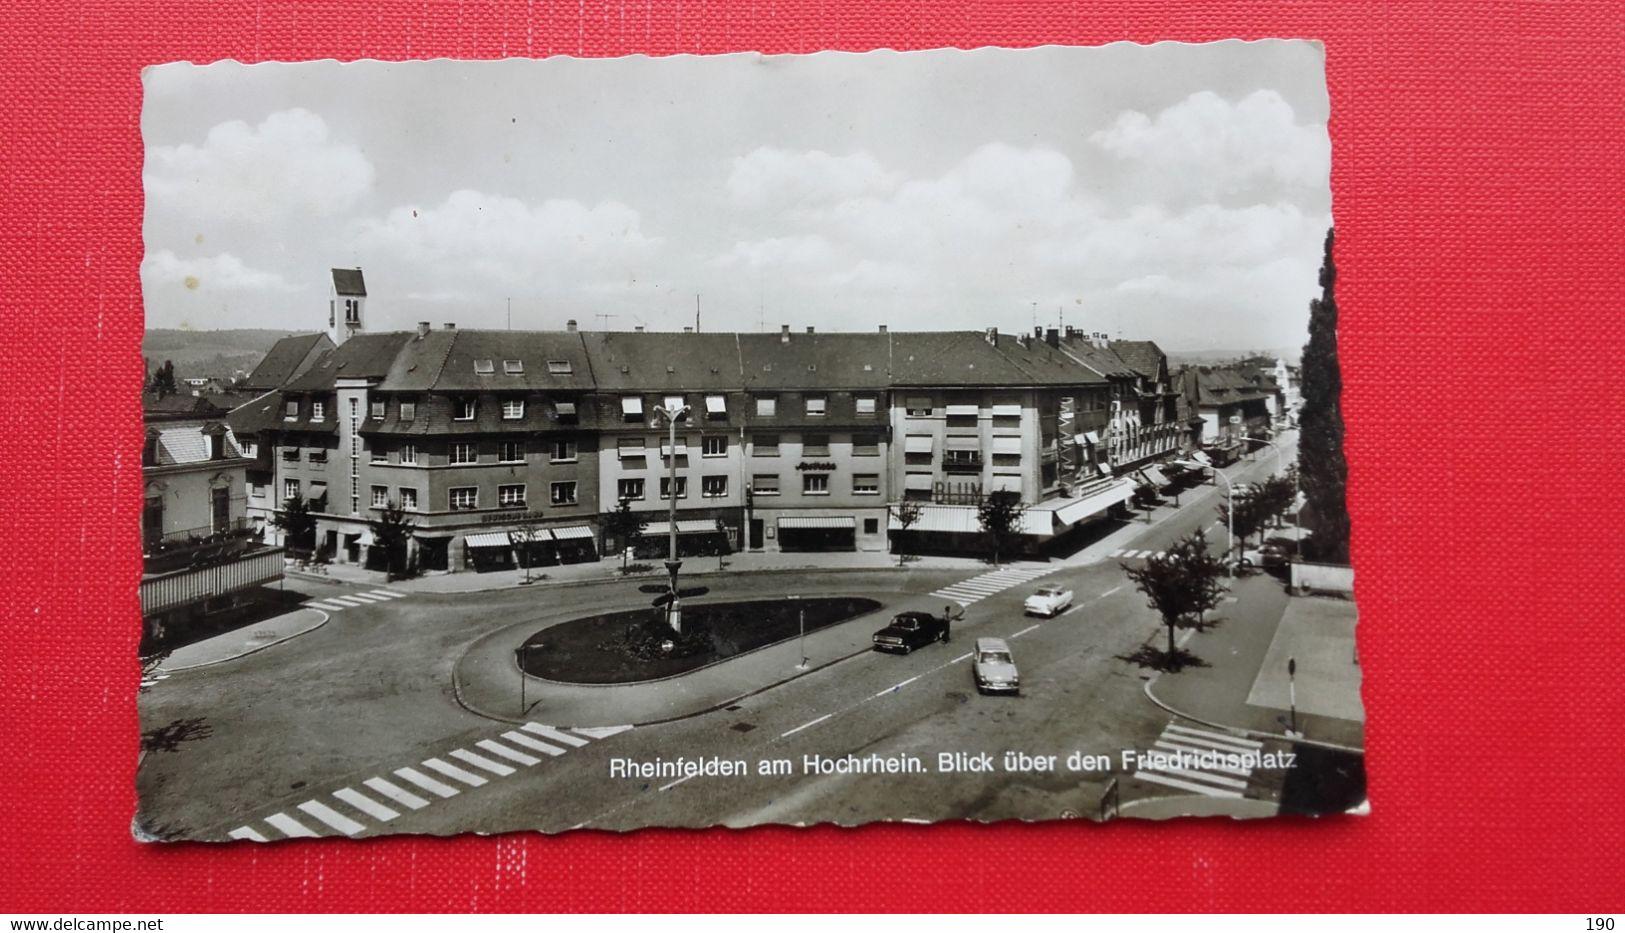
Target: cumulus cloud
<point>1210,148</point>
<point>223,273</point>
<point>287,165</point>
<point>777,178</point>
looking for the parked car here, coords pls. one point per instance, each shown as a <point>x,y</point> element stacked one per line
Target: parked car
<point>1268,557</point>
<point>1049,601</point>
<point>910,630</point>
<point>994,668</point>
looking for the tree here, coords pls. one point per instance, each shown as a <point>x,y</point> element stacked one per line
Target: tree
<point>907,514</point>
<point>1275,496</point>
<point>623,525</point>
<point>1000,516</point>
<point>1324,467</point>
<point>1182,585</point>
<point>1243,514</point>
<point>163,380</point>
<point>297,524</point>
<point>391,536</point>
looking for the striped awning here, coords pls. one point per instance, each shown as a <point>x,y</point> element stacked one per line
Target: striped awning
<point>1095,502</point>
<point>917,444</point>
<point>685,526</point>
<point>488,539</point>
<point>818,521</point>
<point>570,532</point>
<point>952,519</point>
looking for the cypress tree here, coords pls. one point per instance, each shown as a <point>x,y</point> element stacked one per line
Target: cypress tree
<point>1323,467</point>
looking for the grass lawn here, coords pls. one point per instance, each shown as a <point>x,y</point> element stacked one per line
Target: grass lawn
<point>589,650</point>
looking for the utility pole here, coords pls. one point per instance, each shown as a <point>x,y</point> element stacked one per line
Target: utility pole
<point>696,312</point>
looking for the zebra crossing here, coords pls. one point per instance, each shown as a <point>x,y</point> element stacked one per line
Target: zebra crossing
<point>1200,761</point>
<point>353,600</point>
<point>377,800</point>
<point>1132,554</point>
<point>987,584</point>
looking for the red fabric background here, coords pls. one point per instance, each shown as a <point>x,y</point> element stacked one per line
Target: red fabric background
<point>1478,177</point>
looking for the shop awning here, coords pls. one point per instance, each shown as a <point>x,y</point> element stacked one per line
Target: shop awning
<point>685,526</point>
<point>1095,502</point>
<point>962,411</point>
<point>572,532</point>
<point>1038,521</point>
<point>1092,437</point>
<point>963,443</point>
<point>1007,411</point>
<point>916,444</point>
<point>487,539</point>
<point>1201,458</point>
<point>818,521</point>
<point>917,481</point>
<point>1155,476</point>
<point>1007,445</point>
<point>951,519</point>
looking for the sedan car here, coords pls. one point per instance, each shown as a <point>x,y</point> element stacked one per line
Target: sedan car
<point>910,630</point>
<point>1049,601</point>
<point>993,667</point>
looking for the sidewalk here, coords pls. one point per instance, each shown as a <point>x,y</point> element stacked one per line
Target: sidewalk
<point>1246,687</point>
<point>246,640</point>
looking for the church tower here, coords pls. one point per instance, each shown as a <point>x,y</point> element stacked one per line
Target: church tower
<point>346,305</point>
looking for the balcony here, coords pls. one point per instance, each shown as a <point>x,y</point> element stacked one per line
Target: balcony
<point>197,547</point>
<point>962,461</point>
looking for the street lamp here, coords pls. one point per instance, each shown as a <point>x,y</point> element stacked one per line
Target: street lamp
<point>672,414</point>
<point>1229,519</point>
<point>519,662</point>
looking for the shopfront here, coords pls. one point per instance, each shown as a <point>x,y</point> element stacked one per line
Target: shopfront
<point>804,533</point>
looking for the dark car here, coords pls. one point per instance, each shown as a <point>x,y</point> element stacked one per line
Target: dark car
<point>910,630</point>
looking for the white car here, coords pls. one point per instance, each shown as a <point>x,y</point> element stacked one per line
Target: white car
<point>1049,601</point>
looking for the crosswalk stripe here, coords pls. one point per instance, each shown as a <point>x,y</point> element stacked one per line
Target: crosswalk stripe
<point>1185,785</point>
<point>600,732</point>
<point>1167,745</point>
<point>1194,775</point>
<point>246,834</point>
<point>387,594</point>
<point>548,732</point>
<point>331,817</point>
<point>1232,740</point>
<point>503,751</point>
<point>346,601</point>
<point>367,597</point>
<point>481,762</point>
<point>401,796</point>
<point>423,781</point>
<point>1203,745</point>
<point>330,607</point>
<point>290,827</point>
<point>365,804</point>
<point>519,738</point>
<point>453,772</point>
<point>1116,553</point>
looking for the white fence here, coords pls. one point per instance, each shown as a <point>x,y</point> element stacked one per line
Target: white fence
<point>167,591</point>
<point>1322,578</point>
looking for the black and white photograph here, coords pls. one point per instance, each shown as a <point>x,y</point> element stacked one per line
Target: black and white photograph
<point>560,444</point>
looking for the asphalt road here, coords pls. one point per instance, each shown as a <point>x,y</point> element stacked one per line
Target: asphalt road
<point>371,693</point>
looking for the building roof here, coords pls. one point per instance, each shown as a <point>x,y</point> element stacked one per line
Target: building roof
<point>491,361</point>
<point>835,361</point>
<point>653,362</point>
<point>182,444</point>
<point>257,415</point>
<point>286,359</point>
<point>1142,356</point>
<point>1100,359</point>
<point>177,405</point>
<point>364,356</point>
<point>349,282</point>
<point>1215,387</point>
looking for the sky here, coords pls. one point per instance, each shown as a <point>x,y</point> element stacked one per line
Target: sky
<point>1171,192</point>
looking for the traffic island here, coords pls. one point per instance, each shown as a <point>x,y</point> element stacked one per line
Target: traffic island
<point>638,646</point>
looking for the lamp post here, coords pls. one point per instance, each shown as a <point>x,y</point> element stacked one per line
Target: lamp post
<point>1229,520</point>
<point>519,661</point>
<point>672,414</point>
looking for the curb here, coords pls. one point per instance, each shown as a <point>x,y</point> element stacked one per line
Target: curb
<point>1255,733</point>
<point>326,617</point>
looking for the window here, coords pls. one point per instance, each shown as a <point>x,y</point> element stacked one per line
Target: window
<point>714,445</point>
<point>866,484</point>
<point>631,409</point>
<point>815,484</point>
<point>463,409</point>
<point>380,497</point>
<point>919,406</point>
<point>484,367</point>
<point>865,404</point>
<point>716,407</point>
<point>560,367</point>
<point>378,454</point>
<point>513,409</point>
<point>513,367</point>
<point>317,456</point>
<point>764,484</point>
<point>512,452</point>
<point>564,452</point>
<point>566,411</point>
<point>815,445</point>
<point>871,526</point>
<point>767,406</point>
<point>409,498</point>
<point>290,489</point>
<point>817,406</point>
<point>464,453</point>
<point>409,453</point>
<point>631,448</point>
<point>865,445</point>
<point>713,487</point>
<point>673,403</point>
<point>509,496</point>
<point>290,454</point>
<point>257,490</point>
<point>352,311</point>
<point>378,408</point>
<point>764,445</point>
<point>464,497</point>
<point>318,411</point>
<point>630,489</point>
<point>564,493</point>
<point>682,487</point>
<point>1006,460</point>
<point>409,411</point>
<point>290,412</point>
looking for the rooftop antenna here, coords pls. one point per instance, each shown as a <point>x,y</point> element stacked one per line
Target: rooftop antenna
<point>1035,314</point>
<point>510,314</point>
<point>603,319</point>
<point>696,312</point>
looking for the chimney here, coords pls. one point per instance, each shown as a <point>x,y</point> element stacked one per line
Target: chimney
<point>423,329</point>
<point>993,336</point>
<point>1038,332</point>
<point>882,328</point>
<point>809,329</point>
<point>570,325</point>
<point>1052,337</point>
<point>450,325</point>
<point>638,329</point>
<point>784,333</point>
<point>687,329</point>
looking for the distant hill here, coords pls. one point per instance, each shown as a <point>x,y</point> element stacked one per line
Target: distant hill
<point>217,353</point>
<point>1177,358</point>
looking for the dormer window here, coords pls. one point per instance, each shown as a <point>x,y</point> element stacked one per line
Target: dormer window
<point>484,367</point>
<point>291,412</point>
<point>463,409</point>
<point>513,367</point>
<point>377,409</point>
<point>409,410</point>
<point>716,407</point>
<point>513,409</point>
<point>560,367</point>
<point>631,408</point>
<point>318,411</point>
